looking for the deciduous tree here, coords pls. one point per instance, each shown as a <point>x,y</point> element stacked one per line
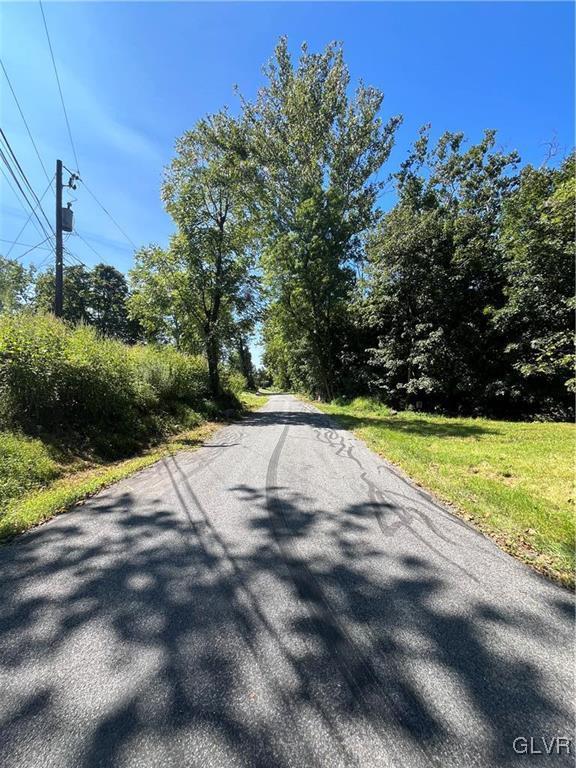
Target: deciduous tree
<point>317,150</point>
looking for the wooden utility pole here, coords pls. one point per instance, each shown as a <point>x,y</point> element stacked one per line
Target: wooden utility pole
<point>59,267</point>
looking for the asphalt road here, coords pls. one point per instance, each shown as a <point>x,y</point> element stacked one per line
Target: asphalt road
<point>278,598</point>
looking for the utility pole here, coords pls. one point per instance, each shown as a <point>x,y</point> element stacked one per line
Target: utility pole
<point>64,223</point>
<point>59,270</point>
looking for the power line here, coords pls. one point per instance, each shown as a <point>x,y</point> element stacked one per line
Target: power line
<point>7,178</point>
<point>20,256</point>
<point>73,256</point>
<point>94,251</point>
<point>24,177</point>
<point>16,161</point>
<point>25,121</point>
<point>23,245</point>
<point>44,260</point>
<point>60,88</point>
<point>30,206</point>
<point>128,238</point>
<point>29,217</point>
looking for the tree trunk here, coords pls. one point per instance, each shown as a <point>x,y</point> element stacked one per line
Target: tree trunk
<point>326,369</point>
<point>212,353</point>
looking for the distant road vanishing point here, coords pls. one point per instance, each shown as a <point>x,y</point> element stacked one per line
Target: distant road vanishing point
<point>279,598</point>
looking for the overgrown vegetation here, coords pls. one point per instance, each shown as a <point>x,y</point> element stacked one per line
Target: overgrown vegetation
<point>457,300</point>
<point>513,480</point>
<point>96,393</point>
<point>72,403</point>
<point>95,297</point>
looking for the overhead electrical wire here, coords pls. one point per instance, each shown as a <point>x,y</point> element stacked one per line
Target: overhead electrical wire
<point>44,260</point>
<point>94,251</point>
<point>25,121</point>
<point>68,252</point>
<point>24,208</point>
<point>33,248</point>
<point>107,212</point>
<point>59,88</point>
<point>23,176</point>
<point>24,245</point>
<point>29,217</point>
<point>21,180</point>
<point>28,203</point>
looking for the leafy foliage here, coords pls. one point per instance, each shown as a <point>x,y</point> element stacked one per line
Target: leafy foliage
<point>458,299</point>
<point>317,150</point>
<point>24,464</point>
<point>434,269</point>
<point>537,238</point>
<point>15,283</point>
<point>71,381</point>
<point>209,270</point>
<point>97,297</point>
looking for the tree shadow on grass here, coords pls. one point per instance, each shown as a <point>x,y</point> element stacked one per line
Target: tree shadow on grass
<point>416,426</point>
<point>413,425</point>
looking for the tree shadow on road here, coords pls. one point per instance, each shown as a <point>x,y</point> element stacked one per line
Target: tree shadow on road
<point>150,634</point>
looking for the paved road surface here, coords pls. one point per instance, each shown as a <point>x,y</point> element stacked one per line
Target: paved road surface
<point>278,598</point>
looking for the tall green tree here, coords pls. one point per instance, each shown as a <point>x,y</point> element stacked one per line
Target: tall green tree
<point>317,151</point>
<point>108,303</point>
<point>208,270</point>
<point>435,271</point>
<point>158,299</point>
<point>77,293</point>
<point>537,239</point>
<point>95,296</point>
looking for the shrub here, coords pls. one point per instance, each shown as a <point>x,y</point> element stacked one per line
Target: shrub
<point>166,375</point>
<point>32,368</point>
<point>56,378</point>
<point>24,464</point>
<point>233,382</point>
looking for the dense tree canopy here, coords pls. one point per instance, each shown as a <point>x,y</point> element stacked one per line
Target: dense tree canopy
<point>205,282</point>
<point>317,150</point>
<point>97,297</point>
<point>536,320</point>
<point>434,269</point>
<point>459,298</point>
<point>15,283</point>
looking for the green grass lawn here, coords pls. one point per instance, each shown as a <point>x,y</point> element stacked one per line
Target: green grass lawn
<point>512,480</point>
<point>39,479</point>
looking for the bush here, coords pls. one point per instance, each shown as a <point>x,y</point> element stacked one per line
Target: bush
<point>32,368</point>
<point>233,382</point>
<point>24,464</point>
<point>54,378</point>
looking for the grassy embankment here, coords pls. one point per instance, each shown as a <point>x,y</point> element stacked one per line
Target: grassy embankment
<point>78,412</point>
<point>38,480</point>
<point>512,480</point>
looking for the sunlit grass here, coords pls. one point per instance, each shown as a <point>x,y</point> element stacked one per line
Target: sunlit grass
<point>512,480</point>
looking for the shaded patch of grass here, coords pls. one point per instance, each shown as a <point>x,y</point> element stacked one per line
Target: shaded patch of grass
<point>39,481</point>
<point>512,480</point>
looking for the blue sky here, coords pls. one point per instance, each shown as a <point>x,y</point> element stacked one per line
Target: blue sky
<point>136,75</point>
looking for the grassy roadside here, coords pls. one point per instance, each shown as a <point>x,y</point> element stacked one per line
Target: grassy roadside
<point>512,480</point>
<point>36,484</point>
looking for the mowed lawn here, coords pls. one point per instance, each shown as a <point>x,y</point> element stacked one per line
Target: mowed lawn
<point>514,481</point>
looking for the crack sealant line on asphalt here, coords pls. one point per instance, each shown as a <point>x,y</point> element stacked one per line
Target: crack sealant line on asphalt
<point>348,651</point>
